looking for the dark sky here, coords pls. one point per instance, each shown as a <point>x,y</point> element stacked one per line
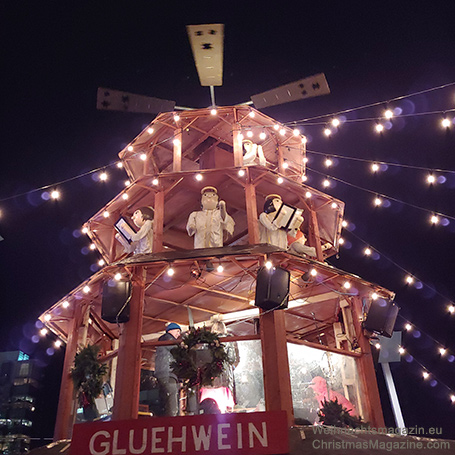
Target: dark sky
<point>54,55</point>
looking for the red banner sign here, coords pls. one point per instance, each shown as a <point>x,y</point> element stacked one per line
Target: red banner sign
<point>257,433</point>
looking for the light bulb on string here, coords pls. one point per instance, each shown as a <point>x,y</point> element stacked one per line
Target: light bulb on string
<point>155,182</point>
<point>170,271</point>
<point>124,196</point>
<point>327,132</point>
<point>308,195</point>
<point>106,214</point>
<point>119,164</point>
<point>213,111</point>
<point>118,276</point>
<point>431,179</point>
<point>326,183</point>
<point>379,127</point>
<point>262,135</point>
<point>198,177</point>
<point>249,133</point>
<point>241,172</point>
<point>285,165</point>
<point>446,123</point>
<point>143,156</point>
<point>282,132</point>
<point>451,309</point>
<point>55,194</point>
<point>347,285</point>
<point>434,219</point>
<point>408,327</point>
<point>57,343</point>
<point>86,289</point>
<point>65,304</point>
<point>101,262</point>
<point>409,279</point>
<point>388,114</point>
<point>328,162</point>
<point>176,117</point>
<point>127,183</point>
<point>367,251</point>
<point>335,123</point>
<point>442,351</point>
<point>377,201</point>
<point>341,241</point>
<point>276,127</point>
<point>296,132</point>
<point>103,176</point>
<point>425,375</point>
<point>452,398</point>
<point>401,350</point>
<point>130,148</point>
<point>280,180</point>
<point>220,269</point>
<point>251,114</point>
<point>268,265</point>
<point>150,130</point>
<point>304,178</point>
<point>375,167</point>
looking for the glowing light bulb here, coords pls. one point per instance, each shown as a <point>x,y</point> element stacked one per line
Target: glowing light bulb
<point>431,179</point>
<point>176,118</point>
<point>347,285</point>
<point>155,182</point>
<point>143,156</point>
<point>408,327</point>
<point>130,148</point>
<point>445,122</point>
<point>327,132</point>
<point>84,230</point>
<point>451,309</point>
<point>409,279</point>
<point>285,165</point>
<point>452,398</point>
<point>280,180</point>
<point>304,178</point>
<point>276,127</point>
<point>57,343</point>
<point>367,251</point>
<point>252,114</point>
<point>92,246</point>
<point>118,276</point>
<point>65,304</point>
<point>335,123</point>
<point>119,164</point>
<point>176,141</point>
<point>106,214</point>
<point>401,350</point>
<point>328,162</point>
<point>313,272</point>
<point>43,332</point>
<point>249,133</point>
<point>220,269</point>
<point>377,201</point>
<point>334,205</point>
<point>341,241</point>
<point>434,219</point>
<point>379,128</point>
<point>55,194</point>
<point>47,317</point>
<point>268,265</point>
<point>127,183</point>
<point>103,176</point>
<point>282,131</point>
<point>296,132</point>
<point>388,114</point>
<point>150,130</point>
<point>101,262</point>
<point>305,159</point>
<point>344,223</point>
<point>425,375</point>
<point>304,140</point>
<point>308,195</point>
<point>442,351</point>
<point>240,137</point>
<point>124,196</point>
<point>170,271</point>
<point>375,167</point>
<point>326,183</point>
<point>262,136</point>
<point>241,173</point>
<point>198,177</point>
<point>213,111</point>
<point>86,289</point>
<point>374,296</point>
<point>377,345</point>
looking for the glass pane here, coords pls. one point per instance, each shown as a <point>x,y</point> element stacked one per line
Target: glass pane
<point>317,375</point>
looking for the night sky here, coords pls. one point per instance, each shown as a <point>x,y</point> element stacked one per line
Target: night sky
<point>54,55</point>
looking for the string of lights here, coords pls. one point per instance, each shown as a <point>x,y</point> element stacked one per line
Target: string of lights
<point>435,218</point>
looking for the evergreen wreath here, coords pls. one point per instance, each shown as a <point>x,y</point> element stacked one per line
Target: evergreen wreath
<point>184,365</point>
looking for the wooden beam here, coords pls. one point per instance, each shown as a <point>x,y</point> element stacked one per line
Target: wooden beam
<point>126,400</point>
<point>277,382</point>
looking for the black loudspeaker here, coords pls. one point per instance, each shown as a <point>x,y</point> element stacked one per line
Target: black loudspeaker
<point>115,306</point>
<point>272,288</point>
<point>381,317</point>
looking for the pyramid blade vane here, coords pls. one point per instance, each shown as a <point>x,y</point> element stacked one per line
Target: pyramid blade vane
<point>116,100</point>
<point>207,45</point>
<point>304,88</point>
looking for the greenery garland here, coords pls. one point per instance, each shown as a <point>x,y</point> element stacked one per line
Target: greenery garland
<point>185,364</point>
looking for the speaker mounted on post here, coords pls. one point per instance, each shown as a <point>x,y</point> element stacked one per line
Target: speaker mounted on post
<point>381,317</point>
<point>272,288</point>
<point>115,306</point>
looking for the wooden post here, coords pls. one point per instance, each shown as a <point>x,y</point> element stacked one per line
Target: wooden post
<point>251,212</point>
<point>65,412</point>
<point>158,222</point>
<point>365,367</point>
<point>177,162</point>
<point>280,157</point>
<point>316,240</point>
<point>237,144</point>
<point>277,382</point>
<point>128,375</point>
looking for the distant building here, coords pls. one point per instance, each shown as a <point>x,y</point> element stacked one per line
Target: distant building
<point>19,385</point>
